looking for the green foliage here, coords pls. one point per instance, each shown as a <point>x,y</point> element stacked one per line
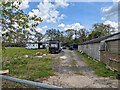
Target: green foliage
<point>80,36</point>
<point>98,66</point>
<point>100,30</point>
<point>53,34</point>
<point>31,68</point>
<point>16,22</point>
<point>68,43</point>
<point>69,33</point>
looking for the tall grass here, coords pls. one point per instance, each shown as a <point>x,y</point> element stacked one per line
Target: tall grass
<point>98,66</point>
<point>30,68</point>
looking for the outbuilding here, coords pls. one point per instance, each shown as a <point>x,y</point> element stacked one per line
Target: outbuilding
<point>105,49</point>
<point>93,47</point>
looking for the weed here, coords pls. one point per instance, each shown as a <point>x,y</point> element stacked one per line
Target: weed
<point>29,68</point>
<point>99,67</point>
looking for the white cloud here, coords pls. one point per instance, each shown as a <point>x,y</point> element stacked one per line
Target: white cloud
<point>116,0</point>
<point>61,17</point>
<point>103,18</point>
<point>23,5</point>
<point>31,14</point>
<point>61,3</point>
<point>48,11</point>
<point>61,25</point>
<point>111,23</point>
<point>75,26</point>
<point>38,29</point>
<point>35,12</point>
<point>111,11</point>
<point>44,27</point>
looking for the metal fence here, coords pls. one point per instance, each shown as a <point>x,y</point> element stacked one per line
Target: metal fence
<point>41,85</point>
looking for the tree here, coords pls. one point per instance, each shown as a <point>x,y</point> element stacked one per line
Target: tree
<point>80,35</point>
<point>53,34</point>
<point>69,33</point>
<point>100,30</point>
<point>39,36</point>
<point>16,22</point>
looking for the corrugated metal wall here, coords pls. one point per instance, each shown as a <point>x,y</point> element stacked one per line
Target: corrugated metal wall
<point>93,50</point>
<point>113,46</point>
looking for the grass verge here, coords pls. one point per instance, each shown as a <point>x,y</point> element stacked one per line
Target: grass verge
<point>99,67</point>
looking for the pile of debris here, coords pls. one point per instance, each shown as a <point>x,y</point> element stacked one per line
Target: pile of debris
<point>40,55</point>
<point>4,72</point>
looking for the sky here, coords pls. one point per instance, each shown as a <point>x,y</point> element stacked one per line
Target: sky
<point>64,15</point>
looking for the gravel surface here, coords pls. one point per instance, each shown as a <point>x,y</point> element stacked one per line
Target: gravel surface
<point>73,72</point>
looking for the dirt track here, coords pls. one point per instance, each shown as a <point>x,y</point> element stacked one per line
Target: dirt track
<point>72,72</point>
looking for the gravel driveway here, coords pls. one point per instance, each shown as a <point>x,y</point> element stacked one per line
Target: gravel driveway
<point>73,72</point>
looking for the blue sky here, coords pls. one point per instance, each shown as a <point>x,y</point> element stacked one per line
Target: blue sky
<point>84,13</point>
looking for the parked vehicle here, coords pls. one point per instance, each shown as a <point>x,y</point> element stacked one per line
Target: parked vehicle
<point>42,46</point>
<point>36,46</point>
<point>75,45</point>
<point>71,48</point>
<point>55,46</point>
<point>64,47</point>
<point>31,46</point>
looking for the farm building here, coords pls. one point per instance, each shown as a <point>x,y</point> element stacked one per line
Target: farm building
<point>106,49</point>
<point>110,53</point>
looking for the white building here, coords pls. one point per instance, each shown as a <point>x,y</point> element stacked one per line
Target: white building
<point>32,46</point>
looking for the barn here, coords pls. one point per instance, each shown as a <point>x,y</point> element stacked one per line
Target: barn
<point>110,52</point>
<point>106,49</point>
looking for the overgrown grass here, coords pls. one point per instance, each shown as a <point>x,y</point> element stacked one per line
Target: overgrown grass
<point>99,67</point>
<point>30,68</point>
<point>11,84</point>
<point>15,52</point>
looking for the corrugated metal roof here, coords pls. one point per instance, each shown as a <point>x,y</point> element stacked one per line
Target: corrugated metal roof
<point>113,39</point>
<point>97,40</point>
